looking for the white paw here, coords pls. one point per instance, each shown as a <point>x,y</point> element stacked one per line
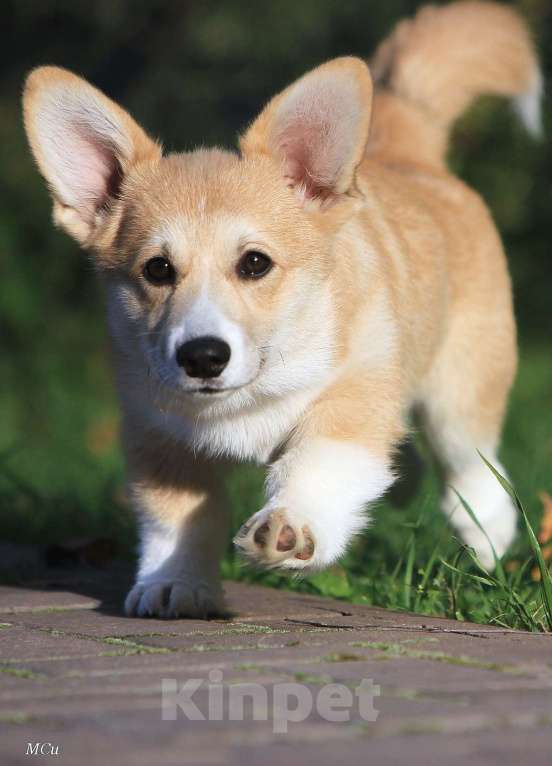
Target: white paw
<point>271,538</point>
<point>174,598</point>
<point>493,508</point>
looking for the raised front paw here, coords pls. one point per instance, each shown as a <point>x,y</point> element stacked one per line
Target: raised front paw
<point>271,539</point>
<point>173,599</point>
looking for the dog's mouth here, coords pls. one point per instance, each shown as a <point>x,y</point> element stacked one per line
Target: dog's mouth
<point>211,390</point>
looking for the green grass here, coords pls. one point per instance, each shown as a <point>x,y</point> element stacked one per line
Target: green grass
<point>61,476</point>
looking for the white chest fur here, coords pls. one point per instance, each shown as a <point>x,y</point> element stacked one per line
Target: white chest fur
<point>251,434</point>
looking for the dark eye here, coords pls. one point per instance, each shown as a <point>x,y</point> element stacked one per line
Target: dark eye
<point>254,264</point>
<point>159,271</point>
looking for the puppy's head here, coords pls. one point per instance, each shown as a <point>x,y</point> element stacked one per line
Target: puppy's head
<point>217,265</point>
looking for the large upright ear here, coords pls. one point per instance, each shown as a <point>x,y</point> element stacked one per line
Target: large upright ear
<point>83,143</point>
<point>317,128</point>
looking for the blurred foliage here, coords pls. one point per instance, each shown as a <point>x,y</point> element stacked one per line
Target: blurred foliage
<point>196,73</point>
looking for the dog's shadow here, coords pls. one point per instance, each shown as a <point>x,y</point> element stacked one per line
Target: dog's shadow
<point>32,568</point>
<point>106,586</point>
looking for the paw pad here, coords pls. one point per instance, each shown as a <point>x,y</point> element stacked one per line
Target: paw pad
<point>287,539</point>
<point>271,540</point>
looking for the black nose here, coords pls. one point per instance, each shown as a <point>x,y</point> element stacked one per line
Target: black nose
<point>203,357</point>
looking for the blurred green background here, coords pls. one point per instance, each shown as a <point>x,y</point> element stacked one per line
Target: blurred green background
<point>195,73</point>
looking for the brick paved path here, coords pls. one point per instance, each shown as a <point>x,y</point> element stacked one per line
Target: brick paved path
<point>77,674</point>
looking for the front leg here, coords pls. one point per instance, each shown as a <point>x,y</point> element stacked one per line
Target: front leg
<point>317,491</point>
<point>182,529</point>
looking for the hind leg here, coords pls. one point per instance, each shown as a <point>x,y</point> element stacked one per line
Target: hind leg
<point>463,404</point>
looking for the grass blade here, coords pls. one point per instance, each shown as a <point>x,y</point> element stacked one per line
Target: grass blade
<point>472,576</point>
<point>546,578</point>
<point>409,569</point>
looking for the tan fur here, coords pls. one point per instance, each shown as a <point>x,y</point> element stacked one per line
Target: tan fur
<point>401,258</point>
<point>480,47</point>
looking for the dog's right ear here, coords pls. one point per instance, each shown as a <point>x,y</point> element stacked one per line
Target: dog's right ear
<point>84,144</point>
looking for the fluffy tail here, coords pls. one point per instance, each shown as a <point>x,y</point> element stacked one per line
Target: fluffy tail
<point>433,66</point>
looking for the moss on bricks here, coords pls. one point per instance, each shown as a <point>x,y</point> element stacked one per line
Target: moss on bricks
<point>400,650</point>
<point>127,647</point>
<point>16,717</point>
<point>21,673</point>
<point>343,657</point>
<point>312,678</point>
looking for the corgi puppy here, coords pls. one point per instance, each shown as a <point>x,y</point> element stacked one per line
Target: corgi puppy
<point>291,302</point>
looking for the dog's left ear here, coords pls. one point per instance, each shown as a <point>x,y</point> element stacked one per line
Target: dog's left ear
<point>317,128</point>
